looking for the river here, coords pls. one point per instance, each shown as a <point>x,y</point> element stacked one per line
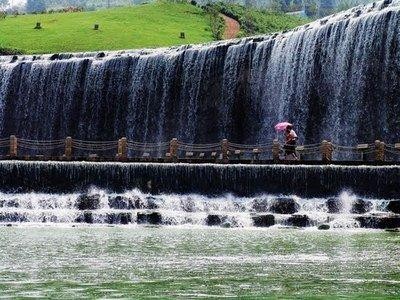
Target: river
<point>196,262</point>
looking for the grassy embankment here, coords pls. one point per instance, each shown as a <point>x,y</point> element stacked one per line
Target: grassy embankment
<point>144,26</point>
<point>150,25</point>
<point>255,21</point>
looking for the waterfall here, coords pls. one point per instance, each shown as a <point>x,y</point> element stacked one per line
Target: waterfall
<point>336,78</point>
<point>133,207</point>
<point>204,179</point>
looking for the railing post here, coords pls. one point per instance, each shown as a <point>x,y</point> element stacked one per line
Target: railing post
<point>379,151</point>
<point>173,149</point>
<point>68,148</point>
<point>122,149</point>
<point>256,154</point>
<point>330,151</point>
<point>225,150</point>
<point>13,146</point>
<point>276,148</point>
<point>326,151</point>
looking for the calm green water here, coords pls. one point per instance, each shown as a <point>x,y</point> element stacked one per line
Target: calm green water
<point>186,263</point>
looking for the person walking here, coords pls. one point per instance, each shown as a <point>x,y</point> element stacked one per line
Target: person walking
<point>290,143</point>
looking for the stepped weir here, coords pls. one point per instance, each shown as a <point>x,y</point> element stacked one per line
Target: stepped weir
<point>207,179</point>
<point>149,113</point>
<point>199,194</point>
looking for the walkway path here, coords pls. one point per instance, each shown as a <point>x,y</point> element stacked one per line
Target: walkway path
<point>232,27</point>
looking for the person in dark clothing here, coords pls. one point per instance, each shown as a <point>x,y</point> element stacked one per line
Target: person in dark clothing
<point>290,145</point>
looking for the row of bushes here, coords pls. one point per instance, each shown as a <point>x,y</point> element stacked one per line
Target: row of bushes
<point>217,23</point>
<point>55,6</point>
<point>10,51</point>
<point>70,9</point>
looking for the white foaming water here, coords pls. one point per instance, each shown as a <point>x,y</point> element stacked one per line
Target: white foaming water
<point>102,207</point>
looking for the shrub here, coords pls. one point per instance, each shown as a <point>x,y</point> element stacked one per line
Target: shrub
<point>10,51</point>
<point>35,6</point>
<point>258,21</point>
<point>216,21</point>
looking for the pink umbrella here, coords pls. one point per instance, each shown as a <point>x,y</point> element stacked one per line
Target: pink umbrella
<point>282,126</point>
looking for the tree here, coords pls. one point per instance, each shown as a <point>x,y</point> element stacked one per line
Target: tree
<point>345,4</point>
<point>276,5</point>
<point>250,3</point>
<point>310,8</point>
<point>326,7</point>
<point>4,3</point>
<point>35,6</point>
<point>294,6</point>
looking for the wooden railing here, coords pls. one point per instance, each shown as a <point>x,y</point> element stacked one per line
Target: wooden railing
<point>175,150</point>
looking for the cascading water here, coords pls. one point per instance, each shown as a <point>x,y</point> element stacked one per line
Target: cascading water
<point>207,194</point>
<point>135,207</point>
<point>205,179</point>
<point>336,78</point>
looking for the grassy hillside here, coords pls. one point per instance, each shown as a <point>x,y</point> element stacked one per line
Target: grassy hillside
<point>150,25</point>
<point>144,26</point>
<point>259,21</point>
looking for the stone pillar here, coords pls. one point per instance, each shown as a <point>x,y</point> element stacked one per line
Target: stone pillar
<point>225,150</point>
<point>122,149</point>
<point>379,151</point>
<point>326,151</point>
<point>276,148</point>
<point>13,146</point>
<point>173,149</point>
<point>68,148</point>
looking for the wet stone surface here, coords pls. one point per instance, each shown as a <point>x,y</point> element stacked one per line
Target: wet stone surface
<point>298,221</point>
<point>394,206</point>
<point>88,202</point>
<point>360,206</point>
<point>263,220</point>
<point>152,218</point>
<point>284,206</point>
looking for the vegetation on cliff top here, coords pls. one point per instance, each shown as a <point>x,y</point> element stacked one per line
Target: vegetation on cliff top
<point>143,26</point>
<point>255,21</point>
<point>151,25</point>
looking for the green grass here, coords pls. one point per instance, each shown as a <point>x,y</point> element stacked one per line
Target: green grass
<point>150,25</point>
<point>144,26</point>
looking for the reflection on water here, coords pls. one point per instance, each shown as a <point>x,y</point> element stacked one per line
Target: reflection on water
<point>68,262</point>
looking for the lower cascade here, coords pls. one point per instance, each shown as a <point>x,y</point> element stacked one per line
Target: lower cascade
<point>204,194</point>
<point>98,206</point>
<point>206,179</point>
